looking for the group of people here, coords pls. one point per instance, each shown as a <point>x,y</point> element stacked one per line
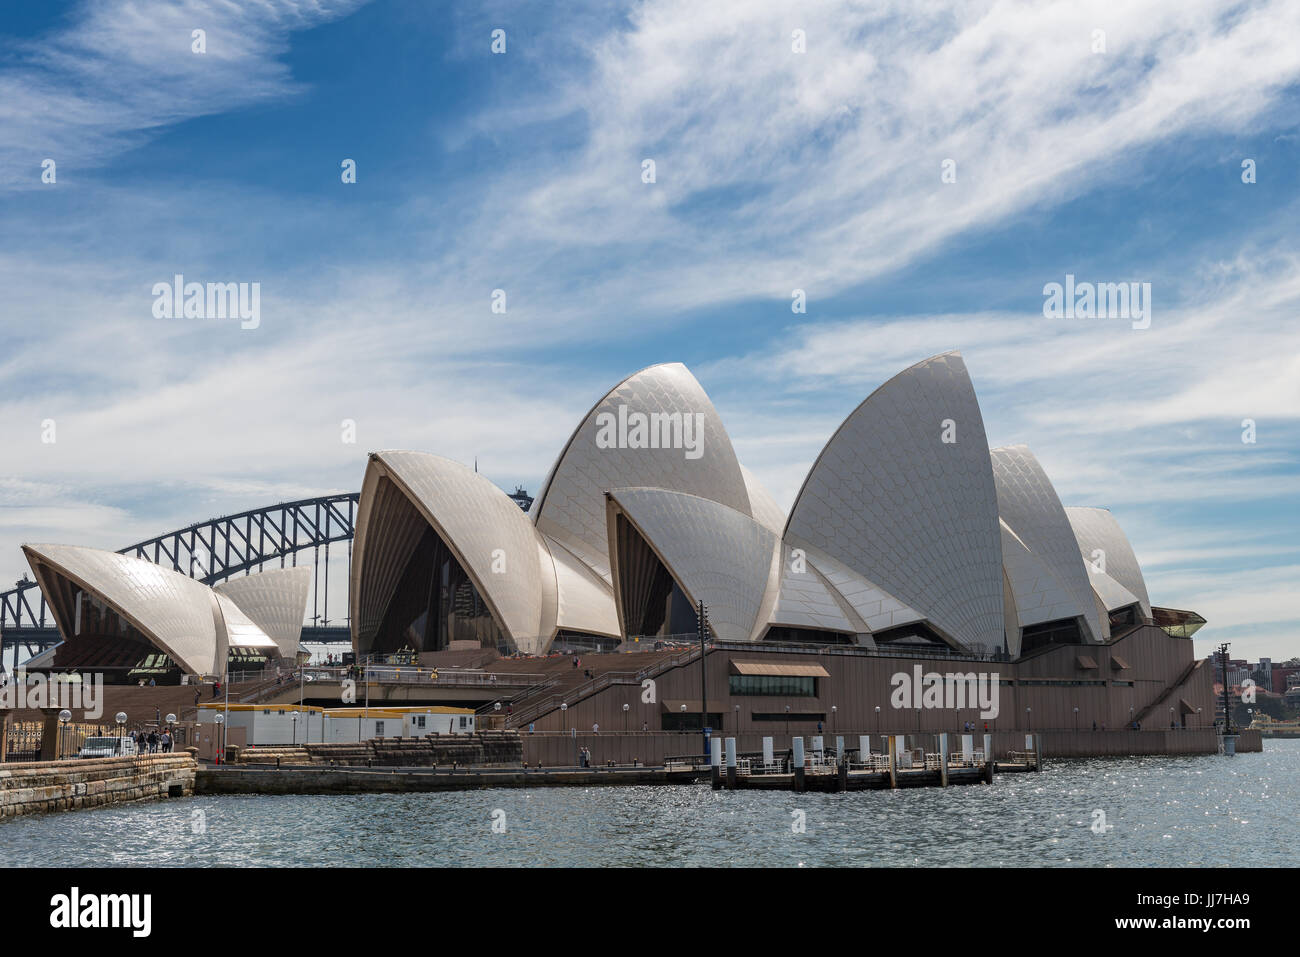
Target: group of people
<point>151,742</point>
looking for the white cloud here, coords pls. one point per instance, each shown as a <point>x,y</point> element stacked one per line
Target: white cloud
<point>776,170</point>
<point>122,70</point>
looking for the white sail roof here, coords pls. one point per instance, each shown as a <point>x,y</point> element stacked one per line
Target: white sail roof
<point>1028,504</point>
<point>584,600</point>
<point>176,613</point>
<point>1038,596</point>
<point>807,600</point>
<point>1113,595</point>
<point>1096,530</point>
<point>492,539</point>
<point>716,554</point>
<point>275,601</point>
<point>912,514</point>
<point>761,504</point>
<point>570,507</point>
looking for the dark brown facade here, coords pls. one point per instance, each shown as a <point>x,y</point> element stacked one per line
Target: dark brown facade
<point>1138,677</point>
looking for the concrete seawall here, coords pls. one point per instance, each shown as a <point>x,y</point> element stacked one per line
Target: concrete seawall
<point>36,787</point>
<point>317,780</point>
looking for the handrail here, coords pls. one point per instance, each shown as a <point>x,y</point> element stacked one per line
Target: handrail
<point>538,709</point>
<point>1159,699</point>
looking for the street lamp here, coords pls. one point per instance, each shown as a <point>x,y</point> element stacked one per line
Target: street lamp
<point>64,717</point>
<point>877,719</point>
<point>735,723</point>
<point>626,706</point>
<point>497,708</point>
<point>1076,720</point>
<point>564,714</point>
<point>1171,716</point>
<point>834,709</point>
<point>120,718</point>
<point>171,720</point>
<point>1029,719</point>
<point>294,715</point>
<point>219,741</point>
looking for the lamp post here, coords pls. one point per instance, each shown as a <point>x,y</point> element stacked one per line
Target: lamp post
<point>834,710</point>
<point>1029,719</point>
<point>120,718</point>
<point>626,706</point>
<point>1198,717</point>
<point>1076,720</point>
<point>1171,716</point>
<point>497,708</point>
<point>218,738</point>
<point>787,721</point>
<point>735,721</point>
<point>64,717</point>
<point>294,715</point>
<point>877,719</point>
<point>171,730</point>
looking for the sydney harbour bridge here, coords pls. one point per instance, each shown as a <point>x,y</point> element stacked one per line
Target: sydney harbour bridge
<point>290,533</point>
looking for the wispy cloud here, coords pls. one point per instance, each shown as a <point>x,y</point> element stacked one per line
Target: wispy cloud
<point>775,170</point>
<point>122,70</point>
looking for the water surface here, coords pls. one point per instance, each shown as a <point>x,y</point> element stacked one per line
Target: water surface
<point>1166,811</point>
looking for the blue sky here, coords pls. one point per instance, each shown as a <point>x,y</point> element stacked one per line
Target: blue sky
<point>775,170</point>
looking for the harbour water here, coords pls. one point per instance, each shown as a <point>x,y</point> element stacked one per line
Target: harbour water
<point>1206,811</point>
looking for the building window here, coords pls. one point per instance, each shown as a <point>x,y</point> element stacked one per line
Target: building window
<point>463,721</point>
<point>688,721</point>
<point>791,716</point>
<point>379,729</point>
<point>784,686</point>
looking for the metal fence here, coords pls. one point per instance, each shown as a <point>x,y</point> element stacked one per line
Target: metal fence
<point>23,739</point>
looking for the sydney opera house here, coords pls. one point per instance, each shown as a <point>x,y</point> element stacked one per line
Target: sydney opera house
<point>909,541</point>
<point>909,532</point>
<point>911,545</point>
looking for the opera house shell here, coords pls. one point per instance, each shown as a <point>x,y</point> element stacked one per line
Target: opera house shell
<point>909,533</point>
<point>133,619</point>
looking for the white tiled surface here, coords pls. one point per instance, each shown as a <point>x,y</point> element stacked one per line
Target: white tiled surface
<point>1039,597</point>
<point>913,515</point>
<point>761,504</point>
<point>585,601</point>
<point>570,508</point>
<point>276,602</point>
<point>1028,504</point>
<point>176,612</point>
<point>719,556</point>
<point>238,630</point>
<point>477,519</point>
<point>1096,528</point>
<point>805,599</point>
